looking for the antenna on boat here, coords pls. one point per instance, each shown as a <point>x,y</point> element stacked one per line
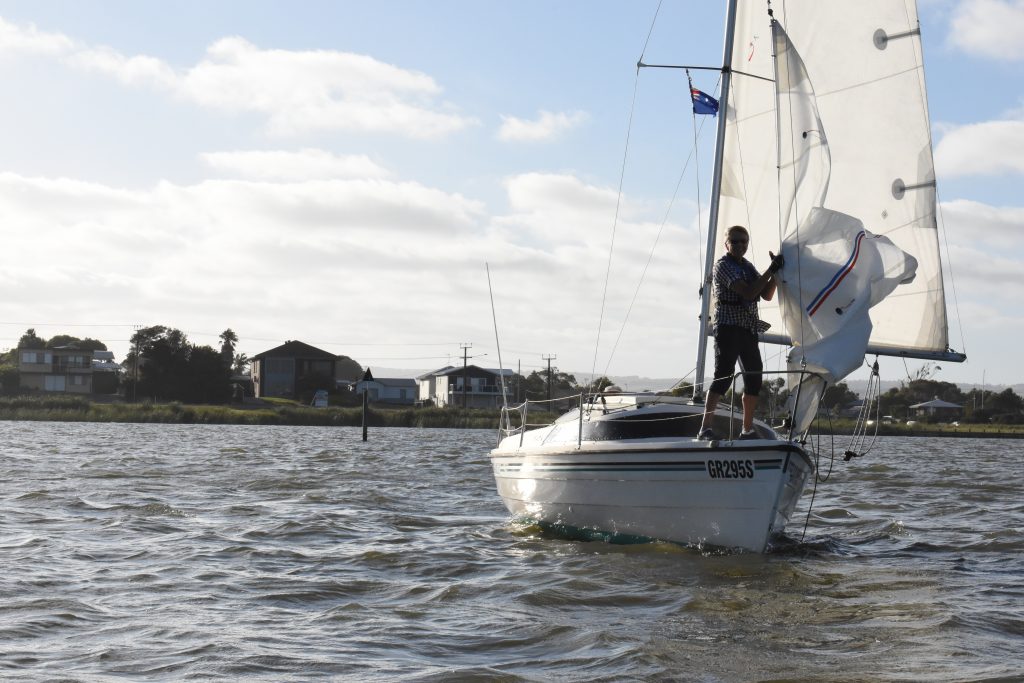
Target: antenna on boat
<point>716,186</point>
<point>494,317</point>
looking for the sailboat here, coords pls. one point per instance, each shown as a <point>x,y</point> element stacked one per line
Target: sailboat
<point>823,145</point>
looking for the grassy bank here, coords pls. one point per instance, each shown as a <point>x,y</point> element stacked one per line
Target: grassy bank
<point>281,412</point>
<point>927,429</point>
<point>74,409</point>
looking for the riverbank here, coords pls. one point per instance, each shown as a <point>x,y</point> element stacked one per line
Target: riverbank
<point>77,409</point>
<point>963,430</point>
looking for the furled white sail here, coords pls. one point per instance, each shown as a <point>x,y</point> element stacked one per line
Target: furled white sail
<point>848,189</point>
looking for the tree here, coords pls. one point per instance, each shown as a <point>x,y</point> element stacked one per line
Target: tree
<point>682,389</point>
<point>346,368</point>
<point>563,384</point>
<point>774,395</point>
<point>838,396</point>
<point>29,340</point>
<point>988,406</point>
<point>86,344</point>
<point>598,385</point>
<point>897,401</point>
<point>228,340</point>
<point>9,378</point>
<point>207,379</point>
<point>241,365</point>
<point>162,359</point>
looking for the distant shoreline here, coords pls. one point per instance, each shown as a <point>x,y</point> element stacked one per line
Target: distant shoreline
<point>77,409</point>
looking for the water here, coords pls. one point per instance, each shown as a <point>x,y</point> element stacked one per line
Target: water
<point>156,552</point>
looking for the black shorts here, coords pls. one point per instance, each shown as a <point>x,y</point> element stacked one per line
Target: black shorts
<point>732,343</point>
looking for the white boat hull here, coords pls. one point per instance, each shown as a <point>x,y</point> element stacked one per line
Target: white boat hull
<point>732,494</point>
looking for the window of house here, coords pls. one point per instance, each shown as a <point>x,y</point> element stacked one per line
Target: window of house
<point>54,383</point>
<point>78,380</point>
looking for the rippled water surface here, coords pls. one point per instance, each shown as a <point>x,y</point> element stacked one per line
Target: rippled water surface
<point>157,552</point>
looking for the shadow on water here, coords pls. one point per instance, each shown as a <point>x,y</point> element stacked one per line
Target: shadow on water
<point>889,538</point>
<point>782,545</point>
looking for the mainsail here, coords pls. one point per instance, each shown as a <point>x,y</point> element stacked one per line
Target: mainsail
<point>848,189</point>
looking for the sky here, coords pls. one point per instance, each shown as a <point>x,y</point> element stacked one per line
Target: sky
<point>345,174</point>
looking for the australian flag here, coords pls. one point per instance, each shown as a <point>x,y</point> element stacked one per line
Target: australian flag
<point>703,103</point>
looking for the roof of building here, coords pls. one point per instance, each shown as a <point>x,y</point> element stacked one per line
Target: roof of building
<point>295,349</point>
<point>936,403</point>
<point>69,348</point>
<point>475,370</point>
<point>435,373</point>
<point>393,382</point>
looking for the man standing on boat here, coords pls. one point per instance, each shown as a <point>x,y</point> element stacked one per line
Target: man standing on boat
<point>736,325</point>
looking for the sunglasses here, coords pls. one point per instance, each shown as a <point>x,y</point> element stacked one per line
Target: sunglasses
<point>741,240</point>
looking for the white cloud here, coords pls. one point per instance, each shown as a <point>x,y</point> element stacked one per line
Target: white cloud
<point>306,164</point>
<point>546,126</point>
<point>28,39</point>
<point>297,90</point>
<point>275,259</point>
<point>987,148</point>
<point>989,28</point>
<point>132,71</point>
<point>355,259</point>
<point>986,264</point>
<point>969,222</point>
<point>318,90</point>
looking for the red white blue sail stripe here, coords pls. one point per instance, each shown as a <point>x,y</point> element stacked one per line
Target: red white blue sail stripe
<point>847,267</point>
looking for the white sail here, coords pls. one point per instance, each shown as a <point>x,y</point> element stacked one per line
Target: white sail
<point>828,154</point>
<point>864,61</point>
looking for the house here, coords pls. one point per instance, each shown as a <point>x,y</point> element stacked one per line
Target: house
<point>472,386</point>
<point>65,369</point>
<point>280,371</point>
<point>937,408</point>
<point>852,410</point>
<point>388,390</point>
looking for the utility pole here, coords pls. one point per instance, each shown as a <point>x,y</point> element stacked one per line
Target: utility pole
<point>549,357</point>
<point>135,364</point>
<point>465,364</point>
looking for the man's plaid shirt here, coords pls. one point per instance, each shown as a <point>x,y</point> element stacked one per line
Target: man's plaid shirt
<point>730,307</point>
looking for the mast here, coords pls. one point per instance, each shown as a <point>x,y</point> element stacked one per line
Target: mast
<point>716,186</point>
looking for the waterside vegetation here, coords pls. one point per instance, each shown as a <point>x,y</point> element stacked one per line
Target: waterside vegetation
<point>75,409</point>
<point>283,412</point>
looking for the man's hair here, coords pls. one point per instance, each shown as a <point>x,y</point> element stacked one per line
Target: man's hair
<point>736,228</point>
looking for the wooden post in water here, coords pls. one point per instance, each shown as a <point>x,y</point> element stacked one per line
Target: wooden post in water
<point>367,377</point>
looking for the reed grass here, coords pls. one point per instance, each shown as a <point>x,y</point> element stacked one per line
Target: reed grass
<point>77,409</point>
